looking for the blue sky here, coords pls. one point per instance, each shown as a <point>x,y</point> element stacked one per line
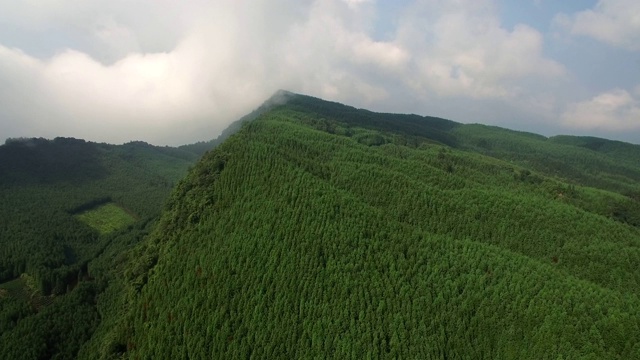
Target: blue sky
<point>538,14</point>
<point>171,72</point>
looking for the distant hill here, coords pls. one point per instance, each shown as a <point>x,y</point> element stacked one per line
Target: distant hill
<point>619,150</point>
<point>323,231</point>
<point>63,203</point>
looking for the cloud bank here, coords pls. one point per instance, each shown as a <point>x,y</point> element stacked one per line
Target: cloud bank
<point>616,110</point>
<point>615,22</point>
<point>177,72</point>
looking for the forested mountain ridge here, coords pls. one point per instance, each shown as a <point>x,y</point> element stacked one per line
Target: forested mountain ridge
<point>585,160</point>
<point>321,230</point>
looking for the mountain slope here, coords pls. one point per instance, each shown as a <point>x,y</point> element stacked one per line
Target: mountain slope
<point>319,230</point>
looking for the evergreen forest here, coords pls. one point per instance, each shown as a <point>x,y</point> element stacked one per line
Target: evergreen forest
<point>314,229</point>
<point>64,203</point>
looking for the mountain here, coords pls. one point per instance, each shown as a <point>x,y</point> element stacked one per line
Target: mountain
<point>317,230</point>
<point>323,231</point>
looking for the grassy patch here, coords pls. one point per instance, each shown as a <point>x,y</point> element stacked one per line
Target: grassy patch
<point>106,218</point>
<point>24,289</point>
<point>20,288</point>
<point>13,287</point>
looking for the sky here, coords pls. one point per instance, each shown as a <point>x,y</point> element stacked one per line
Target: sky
<point>172,72</point>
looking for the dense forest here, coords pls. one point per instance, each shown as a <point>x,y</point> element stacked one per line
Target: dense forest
<point>317,230</point>
<point>64,201</point>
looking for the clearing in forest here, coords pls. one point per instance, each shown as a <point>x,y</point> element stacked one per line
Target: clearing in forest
<point>16,288</point>
<point>24,288</point>
<point>106,218</point>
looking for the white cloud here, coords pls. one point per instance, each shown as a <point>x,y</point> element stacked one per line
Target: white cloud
<point>171,97</point>
<point>464,51</point>
<point>615,22</point>
<point>355,3</point>
<point>117,39</point>
<point>615,110</point>
<point>175,72</point>
<point>107,30</point>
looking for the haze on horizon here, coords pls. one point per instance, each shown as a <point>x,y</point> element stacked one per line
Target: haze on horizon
<point>170,72</point>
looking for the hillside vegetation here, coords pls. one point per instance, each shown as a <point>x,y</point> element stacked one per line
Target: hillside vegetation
<point>323,231</point>
<point>64,202</point>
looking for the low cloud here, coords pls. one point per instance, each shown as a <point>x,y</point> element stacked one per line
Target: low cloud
<point>615,110</point>
<point>157,97</point>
